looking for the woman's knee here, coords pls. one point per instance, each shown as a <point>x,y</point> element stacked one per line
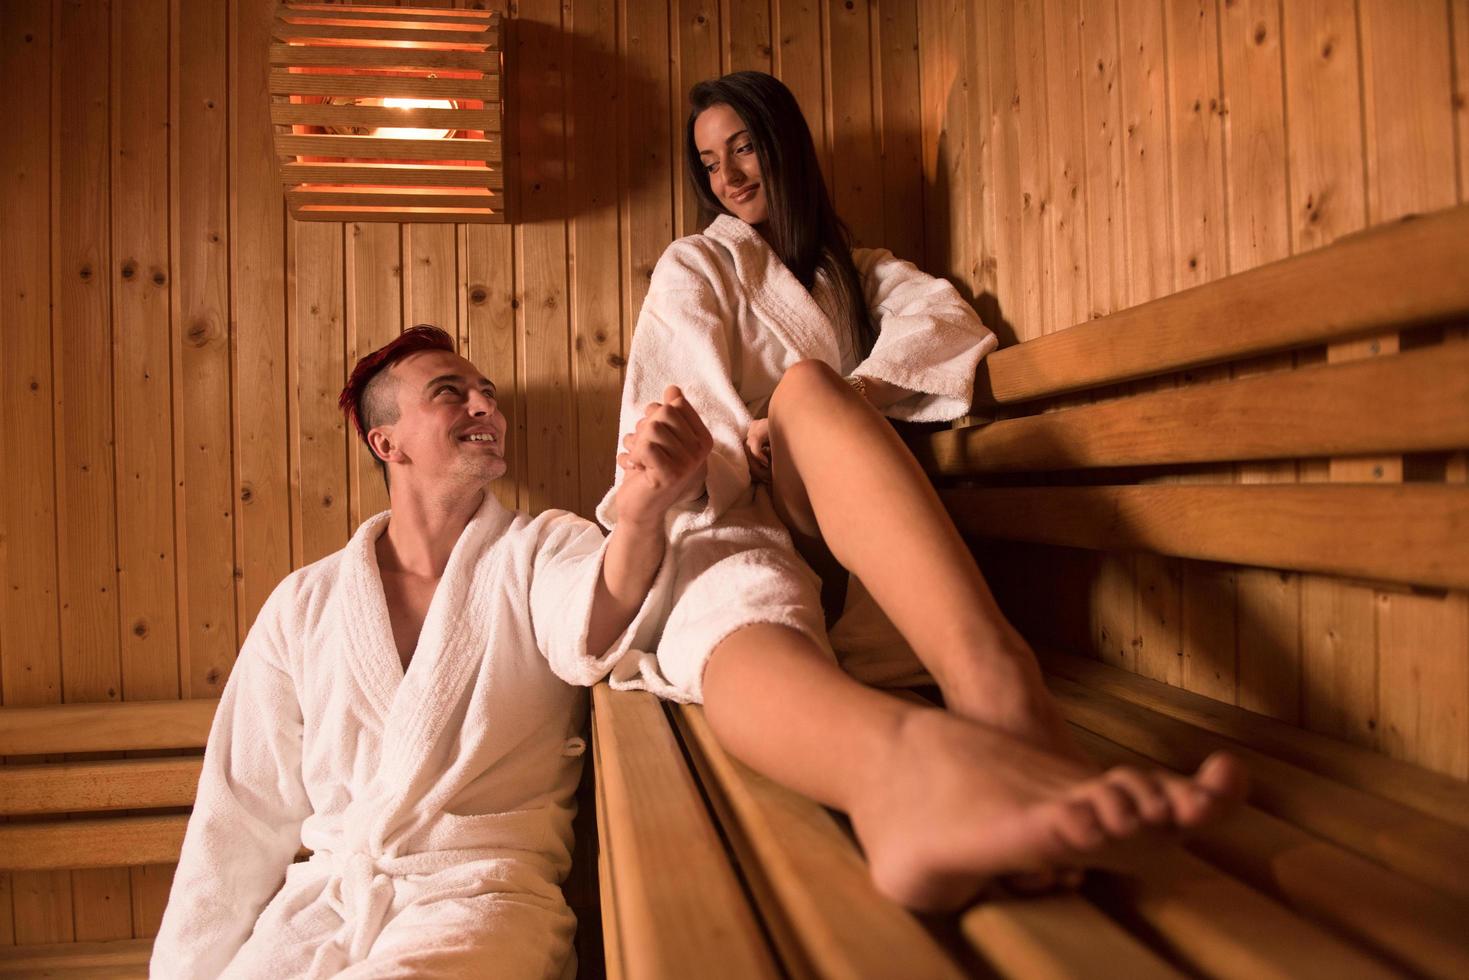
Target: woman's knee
<point>804,382</point>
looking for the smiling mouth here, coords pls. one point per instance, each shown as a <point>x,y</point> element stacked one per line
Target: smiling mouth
<point>480,437</point>
<point>744,196</point>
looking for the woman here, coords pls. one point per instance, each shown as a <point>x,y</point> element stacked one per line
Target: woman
<point>789,344</point>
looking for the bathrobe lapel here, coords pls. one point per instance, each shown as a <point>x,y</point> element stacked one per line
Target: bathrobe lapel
<point>775,295</point>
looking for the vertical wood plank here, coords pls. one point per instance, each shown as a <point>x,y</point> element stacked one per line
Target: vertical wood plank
<point>1408,83</point>
<point>856,172</point>
<point>430,266</point>
<point>541,253</point>
<point>1459,27</point>
<point>374,310</point>
<point>143,361</point>
<point>981,217</point>
<point>895,51</point>
<point>695,53</point>
<point>745,29</point>
<point>82,339</point>
<point>1107,271</point>
<point>202,386</point>
<point>798,56</point>
<point>257,237</point>
<point>596,312</point>
<point>946,126</point>
<point>490,263</point>
<point>651,160</point>
<point>318,324</point>
<point>1255,187</point>
<point>1004,155</point>
<point>1036,268</point>
<point>1067,212</point>
<point>30,641</point>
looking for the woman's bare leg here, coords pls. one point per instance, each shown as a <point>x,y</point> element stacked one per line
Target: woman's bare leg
<point>840,472</point>
<point>941,804</point>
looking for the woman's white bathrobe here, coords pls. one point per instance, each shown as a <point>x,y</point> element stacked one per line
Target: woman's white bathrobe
<point>724,319</point>
<point>437,803</point>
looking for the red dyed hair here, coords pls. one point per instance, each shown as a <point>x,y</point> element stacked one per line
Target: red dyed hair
<point>422,337</point>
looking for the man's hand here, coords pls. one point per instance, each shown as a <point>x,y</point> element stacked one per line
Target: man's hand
<point>665,459</point>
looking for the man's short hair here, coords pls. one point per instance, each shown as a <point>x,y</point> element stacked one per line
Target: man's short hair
<point>371,398</point>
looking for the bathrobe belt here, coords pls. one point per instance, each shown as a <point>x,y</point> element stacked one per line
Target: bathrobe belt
<point>364,888</point>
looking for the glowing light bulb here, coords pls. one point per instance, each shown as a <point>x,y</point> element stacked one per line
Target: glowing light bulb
<point>410,132</point>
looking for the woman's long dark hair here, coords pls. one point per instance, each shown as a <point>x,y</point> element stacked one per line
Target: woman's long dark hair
<point>803,228</point>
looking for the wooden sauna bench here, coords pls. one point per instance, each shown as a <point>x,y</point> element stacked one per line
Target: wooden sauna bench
<point>1344,862</point>
<point>95,812</point>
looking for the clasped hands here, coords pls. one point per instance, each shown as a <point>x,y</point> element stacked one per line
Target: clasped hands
<point>665,459</point>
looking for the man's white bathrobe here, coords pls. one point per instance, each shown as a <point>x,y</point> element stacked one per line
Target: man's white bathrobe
<point>724,319</point>
<point>437,803</point>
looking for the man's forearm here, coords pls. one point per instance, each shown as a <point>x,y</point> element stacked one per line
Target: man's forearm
<point>634,553</point>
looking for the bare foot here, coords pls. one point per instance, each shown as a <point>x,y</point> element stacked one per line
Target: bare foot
<point>956,803</point>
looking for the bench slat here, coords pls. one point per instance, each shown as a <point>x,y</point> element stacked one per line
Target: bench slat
<point>1057,936</point>
<point>1385,278</point>
<point>1399,918</point>
<point>115,842</point>
<point>119,958</point>
<point>110,727</point>
<point>1413,402</point>
<point>1410,533</point>
<point>813,888</point>
<point>1220,926</point>
<point>119,784</point>
<point>677,908</point>
<point>1427,850</point>
<point>1429,792</point>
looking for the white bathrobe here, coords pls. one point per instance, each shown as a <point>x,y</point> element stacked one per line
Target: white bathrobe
<point>437,803</point>
<point>724,319</point>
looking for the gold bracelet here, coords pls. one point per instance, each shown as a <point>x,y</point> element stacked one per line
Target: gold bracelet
<point>859,385</point>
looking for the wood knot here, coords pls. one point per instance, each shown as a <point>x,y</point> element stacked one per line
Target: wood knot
<point>478,294</point>
<point>851,5</point>
<point>701,20</point>
<point>515,304</point>
<point>1327,49</point>
<point>214,238</point>
<point>129,270</point>
<point>247,493</point>
<point>140,629</point>
<point>35,385</point>
<point>212,678</point>
<point>86,273</point>
<point>600,336</point>
<point>616,360</point>
<point>198,333</point>
<point>159,278</point>
<point>1260,33</point>
<point>326,500</point>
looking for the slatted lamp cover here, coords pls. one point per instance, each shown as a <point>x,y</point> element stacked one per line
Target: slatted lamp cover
<point>388,113</point>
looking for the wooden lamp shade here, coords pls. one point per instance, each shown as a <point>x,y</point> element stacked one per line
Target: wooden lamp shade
<point>388,113</point>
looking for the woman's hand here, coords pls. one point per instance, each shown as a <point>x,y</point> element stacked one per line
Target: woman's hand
<point>757,450</point>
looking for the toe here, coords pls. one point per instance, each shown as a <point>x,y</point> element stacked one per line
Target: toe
<point>1115,808</point>
<point>1148,798</point>
<point>1078,827</point>
<point>1224,775</point>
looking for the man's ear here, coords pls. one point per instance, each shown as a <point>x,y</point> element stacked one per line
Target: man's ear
<point>380,439</point>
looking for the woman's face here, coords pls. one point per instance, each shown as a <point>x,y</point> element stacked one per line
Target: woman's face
<point>730,160</point>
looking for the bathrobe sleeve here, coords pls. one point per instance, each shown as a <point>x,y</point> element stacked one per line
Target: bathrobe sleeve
<point>245,828</point>
<point>929,339</point>
<point>684,337</point>
<point>564,576</point>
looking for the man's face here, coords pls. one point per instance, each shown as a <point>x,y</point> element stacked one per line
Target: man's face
<point>449,431</point>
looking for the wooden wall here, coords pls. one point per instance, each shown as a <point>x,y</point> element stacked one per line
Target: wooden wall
<point>171,344</point>
<point>1101,154</point>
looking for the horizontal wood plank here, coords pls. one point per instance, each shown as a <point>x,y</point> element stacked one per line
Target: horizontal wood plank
<point>1434,794</point>
<point>418,215</point>
<point>110,727</point>
<point>369,12</point>
<point>396,175</point>
<point>114,784</point>
<point>812,885</point>
<point>1396,917</point>
<point>1412,402</point>
<point>425,59</point>
<point>322,114</point>
<point>378,148</point>
<point>119,958</point>
<point>395,198</point>
<point>1389,277</point>
<point>438,33</point>
<point>679,910</point>
<point>284,82</point>
<point>112,842</point>
<point>1429,851</point>
<point>1410,533</point>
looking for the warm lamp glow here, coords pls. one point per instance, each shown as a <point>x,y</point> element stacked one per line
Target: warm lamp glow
<point>408,132</point>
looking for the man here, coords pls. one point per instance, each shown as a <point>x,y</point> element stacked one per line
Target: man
<point>404,708</point>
